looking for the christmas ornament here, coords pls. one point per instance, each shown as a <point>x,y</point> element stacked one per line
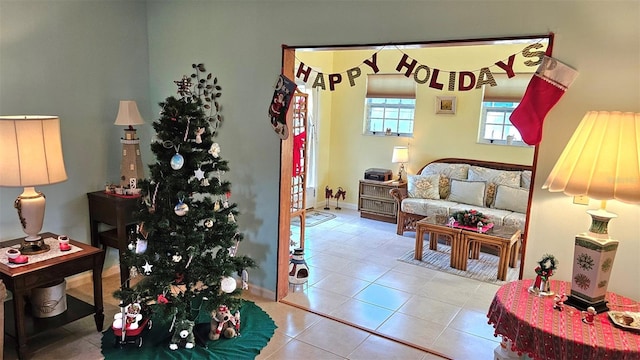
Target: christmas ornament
<point>245,279</point>
<point>199,133</point>
<point>184,85</point>
<point>546,87</point>
<point>186,132</point>
<point>141,246</point>
<point>231,218</point>
<point>208,223</point>
<point>216,205</point>
<point>225,204</point>
<point>176,258</point>
<point>204,182</point>
<point>162,299</point>
<point>131,246</point>
<point>147,268</point>
<point>181,209</point>
<point>215,150</point>
<point>177,160</point>
<point>199,174</point>
<point>228,284</point>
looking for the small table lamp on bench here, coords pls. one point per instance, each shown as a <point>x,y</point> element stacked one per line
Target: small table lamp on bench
<point>400,155</point>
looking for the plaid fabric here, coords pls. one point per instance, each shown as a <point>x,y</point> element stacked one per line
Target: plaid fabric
<point>538,330</point>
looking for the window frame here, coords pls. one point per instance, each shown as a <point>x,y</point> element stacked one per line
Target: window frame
<point>392,104</point>
<point>506,122</point>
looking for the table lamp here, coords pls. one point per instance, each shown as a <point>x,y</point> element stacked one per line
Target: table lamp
<point>31,156</point>
<point>400,155</point>
<point>601,161</point>
<point>131,168</point>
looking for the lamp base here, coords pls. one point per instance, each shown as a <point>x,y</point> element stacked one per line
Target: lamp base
<point>576,302</point>
<point>29,247</point>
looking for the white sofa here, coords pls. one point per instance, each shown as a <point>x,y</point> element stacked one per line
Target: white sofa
<point>498,190</point>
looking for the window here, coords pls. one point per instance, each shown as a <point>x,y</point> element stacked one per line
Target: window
<point>495,122</point>
<point>497,105</point>
<point>390,105</point>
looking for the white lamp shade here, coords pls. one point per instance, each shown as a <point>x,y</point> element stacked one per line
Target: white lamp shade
<point>128,114</point>
<point>31,151</point>
<point>400,154</point>
<point>602,159</point>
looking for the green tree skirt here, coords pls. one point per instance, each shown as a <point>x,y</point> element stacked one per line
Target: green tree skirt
<point>256,329</point>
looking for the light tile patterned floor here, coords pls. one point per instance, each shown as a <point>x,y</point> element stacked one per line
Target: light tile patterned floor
<point>354,276</point>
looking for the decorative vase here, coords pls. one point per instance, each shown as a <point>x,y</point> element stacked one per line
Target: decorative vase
<point>298,269</point>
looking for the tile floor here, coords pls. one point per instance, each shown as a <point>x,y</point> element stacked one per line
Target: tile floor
<point>354,277</point>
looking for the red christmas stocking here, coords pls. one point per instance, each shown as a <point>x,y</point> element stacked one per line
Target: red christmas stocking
<point>546,87</point>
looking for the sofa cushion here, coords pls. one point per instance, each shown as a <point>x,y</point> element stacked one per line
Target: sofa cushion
<point>512,198</point>
<point>426,207</point>
<point>447,172</point>
<point>525,179</point>
<point>493,178</point>
<point>496,216</point>
<point>423,186</point>
<point>516,220</point>
<point>467,192</point>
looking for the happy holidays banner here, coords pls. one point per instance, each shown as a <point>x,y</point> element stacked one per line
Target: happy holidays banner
<point>438,79</point>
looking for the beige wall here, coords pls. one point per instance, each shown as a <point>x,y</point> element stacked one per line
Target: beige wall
<point>349,152</point>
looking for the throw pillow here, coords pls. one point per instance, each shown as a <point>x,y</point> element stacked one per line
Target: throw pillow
<point>423,186</point>
<point>467,192</point>
<point>512,198</point>
<point>447,171</point>
<point>493,178</point>
<point>525,180</point>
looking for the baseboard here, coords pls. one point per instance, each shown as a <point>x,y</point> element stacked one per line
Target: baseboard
<point>332,206</point>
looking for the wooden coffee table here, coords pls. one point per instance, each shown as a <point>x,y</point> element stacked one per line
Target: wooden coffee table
<point>20,280</point>
<point>437,227</point>
<point>506,239</point>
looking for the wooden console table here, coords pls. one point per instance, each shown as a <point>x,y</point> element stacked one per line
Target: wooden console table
<point>21,279</point>
<point>113,211</point>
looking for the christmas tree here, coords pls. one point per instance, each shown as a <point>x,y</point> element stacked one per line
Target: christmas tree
<point>183,251</point>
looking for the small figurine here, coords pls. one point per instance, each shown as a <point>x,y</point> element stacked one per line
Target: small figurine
<point>559,300</point>
<point>63,241</point>
<point>589,315</point>
<point>340,193</point>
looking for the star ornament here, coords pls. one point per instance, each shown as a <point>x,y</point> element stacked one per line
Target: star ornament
<point>184,85</point>
<point>147,268</point>
<point>199,174</point>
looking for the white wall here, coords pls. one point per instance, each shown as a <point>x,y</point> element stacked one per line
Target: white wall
<point>91,67</point>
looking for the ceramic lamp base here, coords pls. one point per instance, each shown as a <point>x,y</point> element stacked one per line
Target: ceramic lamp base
<point>33,247</point>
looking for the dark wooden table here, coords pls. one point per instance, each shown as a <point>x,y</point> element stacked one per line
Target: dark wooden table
<point>114,211</point>
<point>20,280</point>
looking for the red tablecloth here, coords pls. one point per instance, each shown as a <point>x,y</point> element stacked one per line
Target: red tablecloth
<point>537,329</point>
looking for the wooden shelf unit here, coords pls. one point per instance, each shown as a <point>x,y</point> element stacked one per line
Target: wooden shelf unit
<point>375,202</point>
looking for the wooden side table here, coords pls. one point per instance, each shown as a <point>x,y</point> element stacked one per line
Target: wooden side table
<point>21,279</point>
<point>114,211</point>
<point>375,201</point>
<point>505,238</point>
<point>437,228</point>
